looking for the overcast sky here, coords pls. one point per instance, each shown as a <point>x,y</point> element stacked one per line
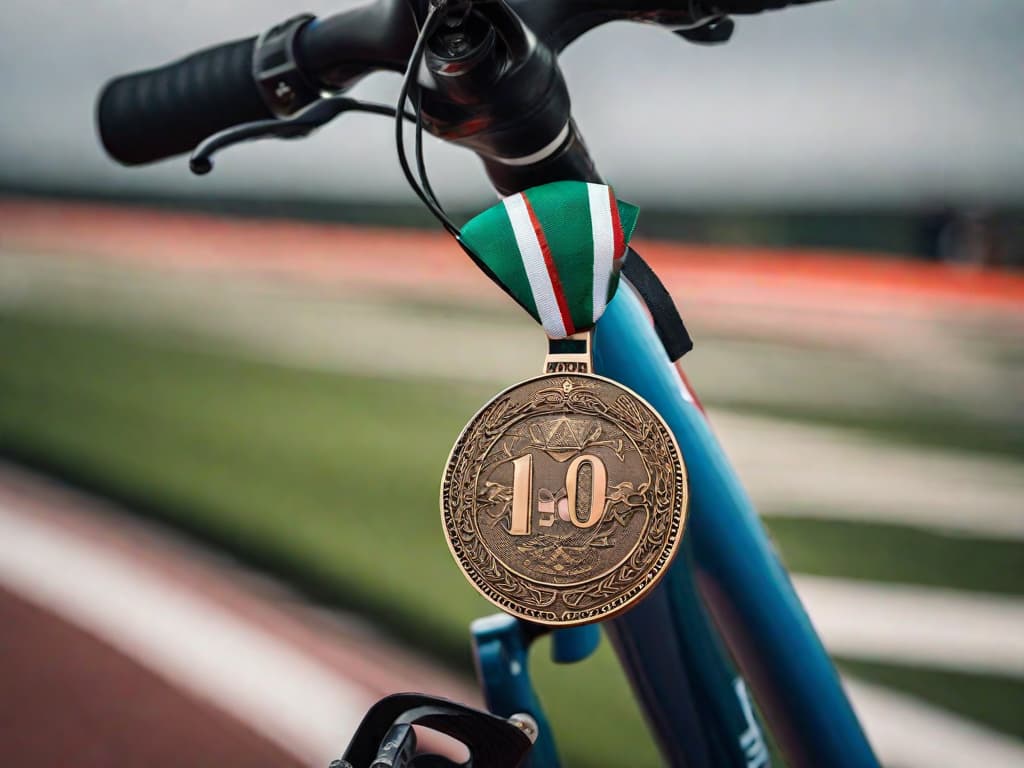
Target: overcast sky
<point>862,101</point>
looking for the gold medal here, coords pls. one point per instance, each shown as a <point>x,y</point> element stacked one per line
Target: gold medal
<point>564,498</point>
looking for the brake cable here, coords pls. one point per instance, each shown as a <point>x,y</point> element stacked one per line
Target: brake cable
<point>422,188</point>
<point>421,167</point>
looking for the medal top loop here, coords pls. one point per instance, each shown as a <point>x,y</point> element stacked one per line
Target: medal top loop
<point>573,354</point>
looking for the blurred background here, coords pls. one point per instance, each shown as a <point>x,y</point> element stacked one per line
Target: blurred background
<point>225,402</point>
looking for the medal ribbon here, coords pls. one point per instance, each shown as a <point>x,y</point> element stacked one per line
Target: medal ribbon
<point>557,249</point>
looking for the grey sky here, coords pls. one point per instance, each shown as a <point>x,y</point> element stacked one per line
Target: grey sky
<point>864,101</point>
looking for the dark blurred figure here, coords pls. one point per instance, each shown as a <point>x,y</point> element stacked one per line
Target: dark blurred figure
<point>962,237</point>
<point>937,233</point>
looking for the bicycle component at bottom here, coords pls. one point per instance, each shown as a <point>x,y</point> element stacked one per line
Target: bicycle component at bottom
<point>386,739</point>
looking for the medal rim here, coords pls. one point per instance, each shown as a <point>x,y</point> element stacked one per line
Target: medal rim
<point>684,505</point>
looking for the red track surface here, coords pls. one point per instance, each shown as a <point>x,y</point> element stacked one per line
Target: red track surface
<point>69,699</point>
<point>421,260</point>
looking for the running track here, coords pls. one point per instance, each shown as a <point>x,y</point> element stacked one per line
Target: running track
<point>430,261</point>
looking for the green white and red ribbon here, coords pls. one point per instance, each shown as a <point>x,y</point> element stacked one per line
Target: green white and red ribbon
<point>557,249</point>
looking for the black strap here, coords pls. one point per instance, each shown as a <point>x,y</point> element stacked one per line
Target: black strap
<point>667,322</point>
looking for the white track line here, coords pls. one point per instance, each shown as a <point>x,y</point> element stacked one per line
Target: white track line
<point>917,625</point>
<point>273,688</point>
<point>821,472</point>
<point>908,733</point>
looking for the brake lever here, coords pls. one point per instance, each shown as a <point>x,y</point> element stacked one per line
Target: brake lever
<point>298,126</point>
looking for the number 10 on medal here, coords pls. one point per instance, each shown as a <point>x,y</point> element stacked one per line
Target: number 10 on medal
<point>522,492</point>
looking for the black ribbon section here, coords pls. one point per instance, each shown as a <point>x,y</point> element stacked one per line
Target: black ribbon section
<point>667,322</point>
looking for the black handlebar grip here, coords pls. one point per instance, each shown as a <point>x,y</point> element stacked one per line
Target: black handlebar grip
<point>158,113</point>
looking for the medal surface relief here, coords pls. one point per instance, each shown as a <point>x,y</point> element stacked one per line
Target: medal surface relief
<point>564,499</point>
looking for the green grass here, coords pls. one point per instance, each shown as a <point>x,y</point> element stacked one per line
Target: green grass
<point>996,701</point>
<point>303,468</point>
<point>877,552</point>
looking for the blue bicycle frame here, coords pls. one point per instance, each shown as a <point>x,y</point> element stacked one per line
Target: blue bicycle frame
<point>725,597</point>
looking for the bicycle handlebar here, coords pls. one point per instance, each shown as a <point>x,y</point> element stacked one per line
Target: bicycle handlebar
<point>158,113</point>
